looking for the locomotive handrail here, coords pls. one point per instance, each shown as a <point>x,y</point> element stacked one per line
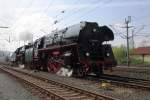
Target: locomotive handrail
<point>57,47</point>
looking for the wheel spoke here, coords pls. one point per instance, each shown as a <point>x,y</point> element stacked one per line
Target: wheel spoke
<point>53,66</point>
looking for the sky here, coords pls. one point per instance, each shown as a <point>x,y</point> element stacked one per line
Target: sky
<point>28,20</point>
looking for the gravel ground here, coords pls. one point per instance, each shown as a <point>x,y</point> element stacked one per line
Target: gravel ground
<point>114,91</point>
<point>10,89</point>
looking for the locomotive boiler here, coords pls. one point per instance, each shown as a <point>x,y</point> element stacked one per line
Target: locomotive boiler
<point>76,50</point>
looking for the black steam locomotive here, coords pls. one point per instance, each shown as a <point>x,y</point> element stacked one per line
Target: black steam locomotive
<point>76,50</point>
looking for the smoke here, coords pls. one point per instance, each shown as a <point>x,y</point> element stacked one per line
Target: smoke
<point>29,27</point>
<point>65,72</point>
<point>26,36</point>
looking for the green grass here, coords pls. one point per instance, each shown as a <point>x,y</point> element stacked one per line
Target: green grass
<point>135,61</point>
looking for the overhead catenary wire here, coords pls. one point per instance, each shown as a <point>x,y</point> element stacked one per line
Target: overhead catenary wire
<point>135,33</point>
<point>72,13</point>
<point>97,5</point>
<point>141,18</point>
<point>118,32</point>
<point>78,11</point>
<point>49,5</point>
<point>74,3</point>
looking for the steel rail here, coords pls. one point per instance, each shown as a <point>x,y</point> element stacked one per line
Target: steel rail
<point>124,81</point>
<point>83,93</point>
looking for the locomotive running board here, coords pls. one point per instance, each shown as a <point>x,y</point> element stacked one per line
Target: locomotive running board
<point>58,47</point>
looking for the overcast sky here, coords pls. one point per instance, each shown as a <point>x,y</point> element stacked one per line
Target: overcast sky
<point>27,18</point>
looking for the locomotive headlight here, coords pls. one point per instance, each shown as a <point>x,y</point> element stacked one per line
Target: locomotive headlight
<point>107,54</point>
<point>94,30</point>
<point>87,54</point>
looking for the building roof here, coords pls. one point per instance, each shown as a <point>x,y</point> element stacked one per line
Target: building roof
<point>142,51</point>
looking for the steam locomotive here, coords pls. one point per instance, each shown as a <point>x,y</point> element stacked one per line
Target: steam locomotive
<point>77,50</point>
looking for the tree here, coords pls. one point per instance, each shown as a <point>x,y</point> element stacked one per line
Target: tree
<point>120,54</point>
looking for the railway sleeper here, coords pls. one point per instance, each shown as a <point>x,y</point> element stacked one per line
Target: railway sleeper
<point>77,97</point>
<point>70,95</point>
<point>51,88</point>
<point>67,92</point>
<point>58,90</point>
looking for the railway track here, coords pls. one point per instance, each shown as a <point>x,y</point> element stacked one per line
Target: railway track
<point>123,81</point>
<point>55,90</point>
<point>133,70</point>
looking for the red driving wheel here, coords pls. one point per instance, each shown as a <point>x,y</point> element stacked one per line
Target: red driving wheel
<point>53,66</point>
